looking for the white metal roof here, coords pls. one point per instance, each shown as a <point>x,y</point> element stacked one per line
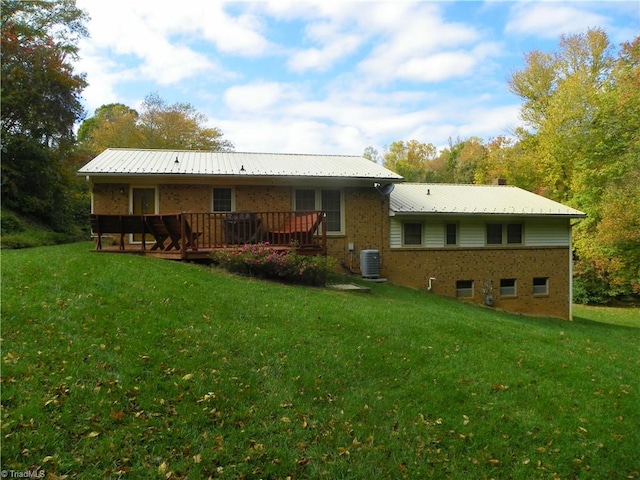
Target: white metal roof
<point>126,161</point>
<point>439,198</point>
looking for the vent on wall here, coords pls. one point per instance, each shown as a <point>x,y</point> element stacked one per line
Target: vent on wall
<point>370,263</point>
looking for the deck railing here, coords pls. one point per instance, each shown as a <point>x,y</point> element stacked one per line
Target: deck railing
<point>196,232</point>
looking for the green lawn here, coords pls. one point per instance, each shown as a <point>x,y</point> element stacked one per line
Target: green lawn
<point>118,366</point>
<point>629,316</point>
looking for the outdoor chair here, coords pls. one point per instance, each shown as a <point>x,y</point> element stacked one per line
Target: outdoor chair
<point>297,230</point>
<point>173,225</point>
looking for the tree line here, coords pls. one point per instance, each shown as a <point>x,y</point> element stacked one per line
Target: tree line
<point>579,143</point>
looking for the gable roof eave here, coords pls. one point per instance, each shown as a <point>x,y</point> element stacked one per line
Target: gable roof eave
<point>233,165</point>
<point>478,200</point>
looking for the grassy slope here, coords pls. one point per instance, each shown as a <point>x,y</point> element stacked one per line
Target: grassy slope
<point>123,366</point>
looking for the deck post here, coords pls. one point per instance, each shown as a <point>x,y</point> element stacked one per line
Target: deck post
<point>183,231</point>
<point>324,233</point>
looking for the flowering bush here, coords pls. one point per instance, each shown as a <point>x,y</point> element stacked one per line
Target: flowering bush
<point>264,261</point>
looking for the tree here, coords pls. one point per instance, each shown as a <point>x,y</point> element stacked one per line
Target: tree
<point>560,93</point>
<point>608,184</point>
<point>113,125</point>
<point>411,160</point>
<point>40,104</point>
<point>372,154</point>
<point>158,125</point>
<point>459,162</point>
<point>583,106</point>
<point>40,92</point>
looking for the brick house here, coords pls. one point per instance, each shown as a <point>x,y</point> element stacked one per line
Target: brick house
<point>494,244</point>
<point>455,240</point>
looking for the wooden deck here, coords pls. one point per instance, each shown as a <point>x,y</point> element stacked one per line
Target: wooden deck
<point>194,236</point>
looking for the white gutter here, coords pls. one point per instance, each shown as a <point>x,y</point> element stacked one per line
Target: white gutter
<point>570,271</point>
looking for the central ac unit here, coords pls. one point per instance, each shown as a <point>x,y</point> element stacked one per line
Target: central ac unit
<point>370,263</point>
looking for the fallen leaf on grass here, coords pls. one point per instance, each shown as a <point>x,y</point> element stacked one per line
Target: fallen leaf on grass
<point>93,434</point>
<point>116,415</point>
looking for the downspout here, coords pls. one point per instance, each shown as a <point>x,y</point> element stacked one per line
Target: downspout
<point>570,271</point>
<point>384,219</point>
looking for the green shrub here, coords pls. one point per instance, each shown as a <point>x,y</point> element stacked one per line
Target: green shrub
<point>589,289</point>
<point>264,261</point>
<point>10,223</point>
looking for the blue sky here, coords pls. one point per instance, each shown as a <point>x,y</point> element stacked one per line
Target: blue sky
<point>332,76</point>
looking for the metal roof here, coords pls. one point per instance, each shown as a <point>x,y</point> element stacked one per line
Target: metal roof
<point>125,161</point>
<point>439,198</point>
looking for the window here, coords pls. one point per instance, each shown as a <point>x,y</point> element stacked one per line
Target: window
<point>331,204</point>
<point>222,200</point>
<point>494,234</point>
<point>305,199</point>
<point>507,287</point>
<point>497,232</point>
<point>412,233</point>
<point>451,234</point>
<point>464,288</point>
<point>541,286</point>
<point>514,233</point>
<point>329,201</point>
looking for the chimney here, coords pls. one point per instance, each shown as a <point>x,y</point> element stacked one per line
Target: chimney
<point>499,181</point>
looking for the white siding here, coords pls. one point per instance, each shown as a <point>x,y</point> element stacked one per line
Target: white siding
<point>547,232</point>
<point>472,233</point>
<point>538,232</point>
<point>395,233</point>
<point>434,237</point>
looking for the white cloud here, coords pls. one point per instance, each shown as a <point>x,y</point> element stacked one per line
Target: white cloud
<point>550,20</point>
<point>322,59</point>
<point>156,42</point>
<point>240,35</point>
<point>288,135</point>
<point>417,38</point>
<point>257,97</point>
<point>438,67</point>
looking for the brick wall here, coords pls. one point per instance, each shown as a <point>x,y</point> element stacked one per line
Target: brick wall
<point>413,268</point>
<point>263,198</point>
<point>108,199</point>
<point>365,213</point>
<point>184,198</point>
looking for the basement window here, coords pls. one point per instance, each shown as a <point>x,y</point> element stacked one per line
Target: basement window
<point>464,288</point>
<point>507,287</point>
<point>541,286</point>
